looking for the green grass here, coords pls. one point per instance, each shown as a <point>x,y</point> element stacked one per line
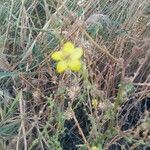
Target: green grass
<point>35,101</point>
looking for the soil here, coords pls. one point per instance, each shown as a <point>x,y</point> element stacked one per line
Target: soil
<point>130,117</point>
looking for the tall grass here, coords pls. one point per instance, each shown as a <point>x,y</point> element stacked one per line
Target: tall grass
<point>35,101</point>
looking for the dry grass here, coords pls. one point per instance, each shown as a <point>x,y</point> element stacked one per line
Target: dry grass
<point>36,103</point>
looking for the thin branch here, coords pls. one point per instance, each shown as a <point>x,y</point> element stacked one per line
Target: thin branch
<point>80,130</point>
<point>103,49</point>
<point>22,113</point>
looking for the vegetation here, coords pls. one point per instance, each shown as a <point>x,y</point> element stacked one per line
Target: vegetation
<point>101,102</point>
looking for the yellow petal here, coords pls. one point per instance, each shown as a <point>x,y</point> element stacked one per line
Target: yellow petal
<point>57,55</point>
<point>94,148</point>
<point>94,103</point>
<point>74,65</point>
<point>61,66</point>
<point>78,52</point>
<point>68,48</point>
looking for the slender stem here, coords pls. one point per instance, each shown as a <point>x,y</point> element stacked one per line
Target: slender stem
<point>80,130</point>
<point>103,49</point>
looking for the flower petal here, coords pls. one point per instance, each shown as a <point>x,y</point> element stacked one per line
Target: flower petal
<point>78,52</point>
<point>68,48</point>
<point>74,65</point>
<point>94,103</point>
<point>57,55</point>
<point>61,66</point>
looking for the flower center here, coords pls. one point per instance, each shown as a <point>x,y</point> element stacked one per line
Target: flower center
<point>67,56</point>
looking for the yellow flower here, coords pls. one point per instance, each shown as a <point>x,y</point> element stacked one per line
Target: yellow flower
<point>68,57</point>
<point>94,103</point>
<point>94,148</point>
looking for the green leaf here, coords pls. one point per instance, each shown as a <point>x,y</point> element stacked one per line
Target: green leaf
<point>7,74</point>
<point>9,129</point>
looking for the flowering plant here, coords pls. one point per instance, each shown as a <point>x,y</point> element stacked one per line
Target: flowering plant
<point>69,57</point>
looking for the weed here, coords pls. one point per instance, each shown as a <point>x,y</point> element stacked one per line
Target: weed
<point>102,103</point>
